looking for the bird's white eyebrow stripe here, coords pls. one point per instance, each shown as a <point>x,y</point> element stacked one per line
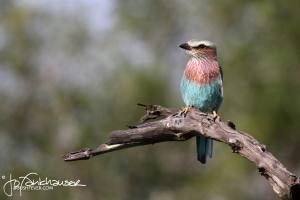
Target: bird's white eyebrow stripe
<point>195,43</point>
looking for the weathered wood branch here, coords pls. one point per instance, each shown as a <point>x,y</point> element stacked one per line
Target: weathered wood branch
<point>162,124</point>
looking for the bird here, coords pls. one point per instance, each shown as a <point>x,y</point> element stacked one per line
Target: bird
<point>201,86</point>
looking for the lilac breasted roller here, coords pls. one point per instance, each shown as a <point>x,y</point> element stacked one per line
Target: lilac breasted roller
<point>202,86</point>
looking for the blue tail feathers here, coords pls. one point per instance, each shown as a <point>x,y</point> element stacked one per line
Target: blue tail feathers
<point>204,148</point>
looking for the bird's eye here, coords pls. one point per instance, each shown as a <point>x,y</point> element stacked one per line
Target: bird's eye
<point>201,46</point>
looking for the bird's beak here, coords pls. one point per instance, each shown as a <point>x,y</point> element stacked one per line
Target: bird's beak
<point>185,46</point>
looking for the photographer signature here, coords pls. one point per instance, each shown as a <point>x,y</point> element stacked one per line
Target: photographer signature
<point>32,181</point>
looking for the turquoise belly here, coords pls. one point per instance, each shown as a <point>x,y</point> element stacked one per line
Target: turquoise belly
<point>207,98</point>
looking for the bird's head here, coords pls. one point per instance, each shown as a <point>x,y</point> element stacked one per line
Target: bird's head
<point>200,49</point>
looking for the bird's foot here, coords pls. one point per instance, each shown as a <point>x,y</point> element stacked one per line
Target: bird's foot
<point>215,115</point>
<point>184,111</point>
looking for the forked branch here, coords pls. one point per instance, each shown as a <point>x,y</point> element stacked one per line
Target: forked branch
<point>161,124</point>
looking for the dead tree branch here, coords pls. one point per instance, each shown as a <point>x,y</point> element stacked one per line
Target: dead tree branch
<point>161,124</point>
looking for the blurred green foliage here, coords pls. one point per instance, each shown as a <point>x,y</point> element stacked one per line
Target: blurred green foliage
<point>70,72</point>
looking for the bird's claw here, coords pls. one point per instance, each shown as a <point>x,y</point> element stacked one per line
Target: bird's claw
<point>215,115</point>
<point>184,111</point>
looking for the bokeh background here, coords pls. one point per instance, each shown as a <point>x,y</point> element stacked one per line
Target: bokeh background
<point>72,71</point>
